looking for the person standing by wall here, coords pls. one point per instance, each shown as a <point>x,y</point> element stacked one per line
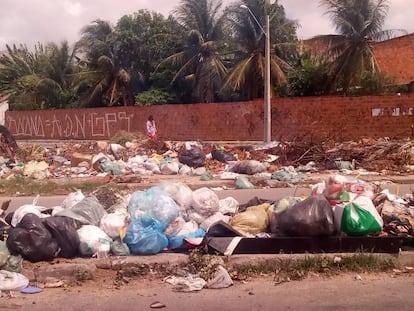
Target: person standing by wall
<point>151,128</point>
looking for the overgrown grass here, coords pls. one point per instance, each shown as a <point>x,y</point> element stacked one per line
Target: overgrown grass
<point>299,268</point>
<point>124,274</point>
<point>21,186</point>
<point>282,269</point>
<point>291,268</point>
<point>121,137</point>
<point>201,263</point>
<point>135,271</point>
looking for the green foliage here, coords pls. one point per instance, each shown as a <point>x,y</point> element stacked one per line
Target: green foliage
<point>121,137</point>
<point>309,77</point>
<point>41,79</point>
<point>105,81</point>
<point>154,96</point>
<point>199,60</point>
<point>200,53</point>
<point>143,39</point>
<point>248,59</point>
<point>286,269</point>
<point>373,83</point>
<point>358,22</point>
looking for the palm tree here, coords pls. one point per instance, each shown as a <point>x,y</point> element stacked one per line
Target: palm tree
<point>111,87</point>
<point>359,24</point>
<point>97,40</point>
<point>43,78</point>
<point>108,83</point>
<point>199,60</point>
<point>247,74</point>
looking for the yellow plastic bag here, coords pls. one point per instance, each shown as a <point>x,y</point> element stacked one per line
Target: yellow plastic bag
<point>254,220</point>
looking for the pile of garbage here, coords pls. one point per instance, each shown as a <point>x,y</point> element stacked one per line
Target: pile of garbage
<point>172,217</point>
<point>288,161</point>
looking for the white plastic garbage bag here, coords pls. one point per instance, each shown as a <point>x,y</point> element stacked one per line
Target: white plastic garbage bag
<point>113,223</point>
<point>169,168</point>
<point>28,209</point>
<point>205,201</point>
<point>153,165</point>
<point>194,216</point>
<point>174,227</point>
<point>180,192</point>
<point>221,279</point>
<point>72,199</point>
<point>93,241</point>
<point>357,216</point>
<point>12,281</point>
<point>185,170</point>
<point>155,203</point>
<point>229,205</point>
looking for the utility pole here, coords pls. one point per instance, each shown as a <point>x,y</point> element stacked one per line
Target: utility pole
<point>267,109</point>
<point>267,82</point>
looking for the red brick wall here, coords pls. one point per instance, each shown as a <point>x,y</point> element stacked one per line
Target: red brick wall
<point>310,118</point>
<point>396,58</point>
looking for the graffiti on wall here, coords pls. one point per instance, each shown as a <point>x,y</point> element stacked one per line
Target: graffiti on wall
<point>79,125</point>
<point>394,112</point>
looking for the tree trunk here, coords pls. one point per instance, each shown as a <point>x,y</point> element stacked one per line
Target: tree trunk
<point>8,145</point>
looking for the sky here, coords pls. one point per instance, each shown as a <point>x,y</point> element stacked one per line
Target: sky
<point>31,21</point>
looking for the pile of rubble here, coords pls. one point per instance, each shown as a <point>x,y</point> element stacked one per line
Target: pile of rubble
<point>285,161</point>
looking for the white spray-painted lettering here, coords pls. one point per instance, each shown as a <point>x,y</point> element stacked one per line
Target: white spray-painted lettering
<point>67,125</point>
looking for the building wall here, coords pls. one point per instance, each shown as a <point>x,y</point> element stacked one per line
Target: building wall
<point>304,118</point>
<point>396,58</point>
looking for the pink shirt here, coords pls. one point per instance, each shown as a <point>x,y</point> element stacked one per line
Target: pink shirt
<point>151,129</point>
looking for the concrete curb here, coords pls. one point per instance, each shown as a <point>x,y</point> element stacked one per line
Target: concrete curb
<point>85,268</point>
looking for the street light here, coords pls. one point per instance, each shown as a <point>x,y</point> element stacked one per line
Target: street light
<point>267,86</point>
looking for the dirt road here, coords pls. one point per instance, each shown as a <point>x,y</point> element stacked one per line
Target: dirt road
<point>374,292</point>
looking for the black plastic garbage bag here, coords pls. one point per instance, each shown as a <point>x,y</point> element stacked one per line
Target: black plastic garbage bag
<point>310,217</point>
<point>249,167</point>
<point>193,157</point>
<point>253,202</point>
<point>222,156</point>
<point>31,239</point>
<point>63,230</point>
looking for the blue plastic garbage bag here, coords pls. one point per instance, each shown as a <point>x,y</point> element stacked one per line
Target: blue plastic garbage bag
<point>154,202</point>
<point>177,241</point>
<point>144,236</point>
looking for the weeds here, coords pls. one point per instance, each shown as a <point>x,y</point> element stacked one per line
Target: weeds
<point>202,264</point>
<point>297,269</point>
<point>81,275</point>
<point>20,185</point>
<point>126,272</point>
<point>121,137</point>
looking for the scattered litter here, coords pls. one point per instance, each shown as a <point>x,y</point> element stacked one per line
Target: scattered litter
<point>31,290</point>
<point>189,283</point>
<point>157,305</point>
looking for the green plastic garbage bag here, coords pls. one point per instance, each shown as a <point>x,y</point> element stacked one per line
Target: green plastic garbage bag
<point>358,216</point>
<point>9,262</point>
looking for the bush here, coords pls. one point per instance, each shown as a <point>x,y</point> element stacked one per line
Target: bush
<point>153,97</point>
<point>121,137</point>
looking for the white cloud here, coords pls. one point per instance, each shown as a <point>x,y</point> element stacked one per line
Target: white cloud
<point>73,8</point>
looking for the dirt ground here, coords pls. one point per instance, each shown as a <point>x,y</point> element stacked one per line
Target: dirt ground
<point>383,291</point>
